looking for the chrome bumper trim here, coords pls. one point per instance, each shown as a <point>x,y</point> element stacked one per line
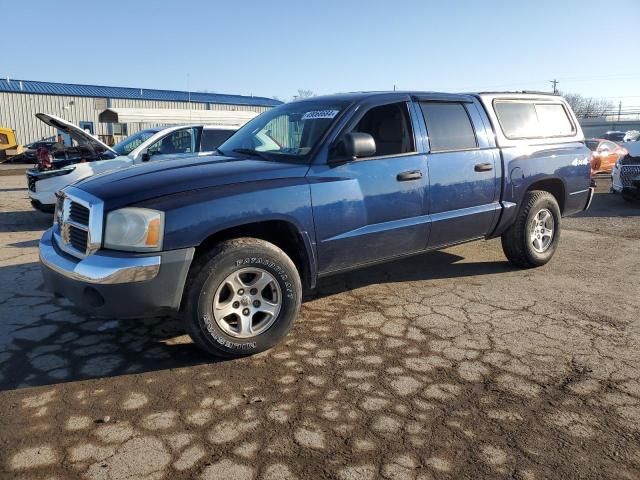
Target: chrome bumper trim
<point>96,268</point>
<point>591,192</point>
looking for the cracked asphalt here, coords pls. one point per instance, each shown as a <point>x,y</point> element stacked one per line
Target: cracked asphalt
<point>447,365</point>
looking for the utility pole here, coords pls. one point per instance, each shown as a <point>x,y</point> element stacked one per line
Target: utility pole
<point>619,109</point>
<point>555,85</point>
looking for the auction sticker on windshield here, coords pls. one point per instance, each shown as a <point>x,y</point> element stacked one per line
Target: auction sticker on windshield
<point>316,114</point>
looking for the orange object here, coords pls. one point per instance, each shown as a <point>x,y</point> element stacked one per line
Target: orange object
<point>605,154</point>
<point>153,234</point>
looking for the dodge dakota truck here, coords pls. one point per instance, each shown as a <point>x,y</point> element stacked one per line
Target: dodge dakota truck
<point>310,189</point>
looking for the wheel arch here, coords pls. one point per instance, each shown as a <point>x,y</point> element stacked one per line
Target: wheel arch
<point>283,233</point>
<point>555,186</point>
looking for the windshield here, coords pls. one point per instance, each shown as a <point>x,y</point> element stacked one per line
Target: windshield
<point>287,132</point>
<point>129,144</point>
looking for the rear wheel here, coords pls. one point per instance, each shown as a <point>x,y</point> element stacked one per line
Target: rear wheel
<point>533,238</point>
<point>242,297</point>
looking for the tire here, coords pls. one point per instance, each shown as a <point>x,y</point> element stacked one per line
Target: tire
<point>214,288</point>
<point>517,242</point>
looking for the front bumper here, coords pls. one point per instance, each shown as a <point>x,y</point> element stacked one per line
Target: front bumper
<point>42,186</point>
<point>113,283</point>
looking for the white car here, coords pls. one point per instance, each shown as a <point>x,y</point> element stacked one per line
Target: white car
<point>147,145</point>
<point>625,176</point>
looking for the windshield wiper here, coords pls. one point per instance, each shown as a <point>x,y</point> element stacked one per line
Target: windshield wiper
<point>251,152</point>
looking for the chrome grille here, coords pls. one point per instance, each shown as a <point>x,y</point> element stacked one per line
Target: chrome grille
<point>79,213</point>
<point>74,229</point>
<point>628,173</point>
<point>78,238</point>
<point>31,182</point>
<point>79,222</point>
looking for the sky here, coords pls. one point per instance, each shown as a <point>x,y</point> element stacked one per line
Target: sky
<point>273,48</point>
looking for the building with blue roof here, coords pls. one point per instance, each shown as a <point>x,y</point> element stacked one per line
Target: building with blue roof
<point>20,100</point>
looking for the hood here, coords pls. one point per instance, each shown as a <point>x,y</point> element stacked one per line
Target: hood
<point>633,148</point>
<point>75,132</point>
<point>157,179</point>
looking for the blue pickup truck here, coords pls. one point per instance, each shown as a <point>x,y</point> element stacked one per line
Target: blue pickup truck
<point>310,189</point>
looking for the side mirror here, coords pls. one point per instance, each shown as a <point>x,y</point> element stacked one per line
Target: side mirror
<point>355,145</point>
<point>146,156</point>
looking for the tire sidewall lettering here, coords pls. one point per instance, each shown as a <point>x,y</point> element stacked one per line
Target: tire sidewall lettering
<point>278,270</point>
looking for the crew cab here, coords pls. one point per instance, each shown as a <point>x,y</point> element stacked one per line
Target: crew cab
<point>91,156</point>
<point>313,188</point>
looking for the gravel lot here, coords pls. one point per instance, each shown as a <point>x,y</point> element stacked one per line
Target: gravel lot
<point>447,365</point>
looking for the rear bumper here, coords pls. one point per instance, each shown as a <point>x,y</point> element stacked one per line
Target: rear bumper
<point>116,284</point>
<point>590,197</point>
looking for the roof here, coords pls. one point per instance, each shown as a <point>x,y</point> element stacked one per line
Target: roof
<point>359,96</point>
<point>445,96</point>
<point>98,91</point>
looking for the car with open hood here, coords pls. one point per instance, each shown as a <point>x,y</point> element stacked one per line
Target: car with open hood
<point>91,156</point>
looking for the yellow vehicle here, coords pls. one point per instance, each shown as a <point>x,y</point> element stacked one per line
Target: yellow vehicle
<point>8,144</point>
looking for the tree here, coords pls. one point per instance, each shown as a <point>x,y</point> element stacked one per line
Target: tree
<point>588,106</point>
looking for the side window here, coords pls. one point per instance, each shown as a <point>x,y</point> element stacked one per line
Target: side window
<point>212,139</point>
<point>390,127</point>
<point>181,141</point>
<point>517,119</point>
<point>520,119</point>
<point>448,126</point>
<point>554,120</point>
<point>4,140</point>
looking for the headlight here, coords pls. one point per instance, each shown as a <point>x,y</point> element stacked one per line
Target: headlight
<point>134,229</point>
<point>57,214</point>
<point>55,173</point>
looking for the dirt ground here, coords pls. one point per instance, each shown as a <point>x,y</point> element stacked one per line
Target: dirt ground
<point>444,366</point>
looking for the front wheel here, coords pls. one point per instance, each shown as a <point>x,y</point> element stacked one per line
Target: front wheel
<point>532,240</point>
<point>242,298</point>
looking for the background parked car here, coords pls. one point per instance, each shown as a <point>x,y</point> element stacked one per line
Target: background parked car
<point>605,154</point>
<point>632,136</point>
<point>151,144</point>
<point>614,135</point>
<point>29,155</point>
<point>625,177</point>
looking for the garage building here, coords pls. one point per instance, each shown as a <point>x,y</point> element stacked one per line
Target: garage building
<point>20,100</point>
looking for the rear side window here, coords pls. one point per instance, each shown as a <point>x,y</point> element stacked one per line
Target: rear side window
<point>520,119</point>
<point>212,139</point>
<point>448,126</point>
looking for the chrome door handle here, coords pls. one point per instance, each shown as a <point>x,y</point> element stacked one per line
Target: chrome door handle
<point>410,175</point>
<point>483,167</point>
